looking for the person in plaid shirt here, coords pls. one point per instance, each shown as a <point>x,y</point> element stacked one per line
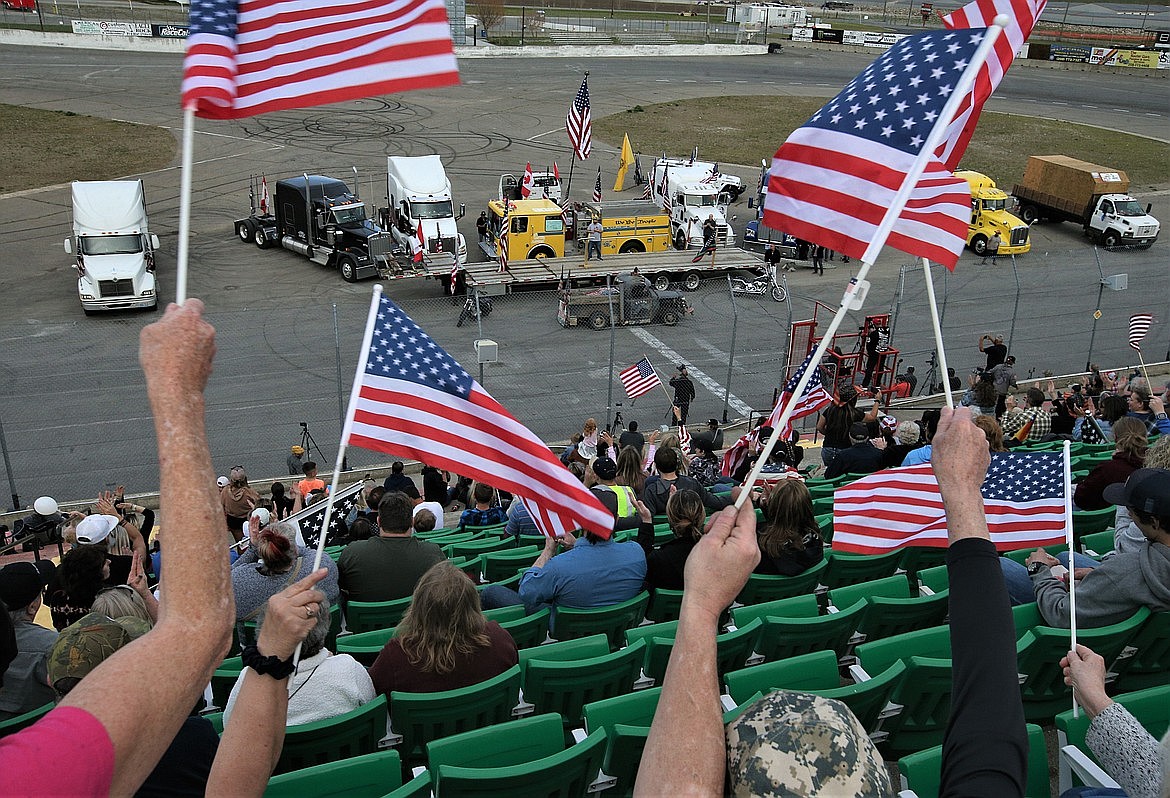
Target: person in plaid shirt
<point>1016,419</point>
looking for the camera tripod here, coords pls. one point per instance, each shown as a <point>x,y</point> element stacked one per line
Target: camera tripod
<point>619,424</point>
<point>308,443</point>
<point>929,384</point>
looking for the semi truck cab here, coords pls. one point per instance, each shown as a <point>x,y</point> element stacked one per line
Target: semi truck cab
<point>990,215</point>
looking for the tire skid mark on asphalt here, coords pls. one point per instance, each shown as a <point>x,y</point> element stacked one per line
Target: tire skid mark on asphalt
<point>672,356</point>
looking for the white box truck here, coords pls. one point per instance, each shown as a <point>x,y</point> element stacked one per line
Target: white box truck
<point>419,195</point>
<point>113,246</point>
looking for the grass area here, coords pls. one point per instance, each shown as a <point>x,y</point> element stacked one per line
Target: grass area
<point>46,148</point>
<point>744,130</point>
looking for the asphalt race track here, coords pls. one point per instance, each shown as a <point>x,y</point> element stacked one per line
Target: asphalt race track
<point>73,408</point>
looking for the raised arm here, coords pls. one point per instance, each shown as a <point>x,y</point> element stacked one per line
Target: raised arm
<point>193,631</point>
<point>686,750</point>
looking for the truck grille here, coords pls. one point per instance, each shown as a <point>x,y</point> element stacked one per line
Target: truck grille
<point>115,288</point>
<point>1145,230</point>
<point>380,245</point>
<point>448,245</point>
<point>1019,236</point>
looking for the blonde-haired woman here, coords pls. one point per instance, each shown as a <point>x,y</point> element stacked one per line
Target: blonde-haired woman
<point>443,642</point>
<point>1130,443</point>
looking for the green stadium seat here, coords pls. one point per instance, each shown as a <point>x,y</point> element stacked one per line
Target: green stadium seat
<point>364,646</point>
<point>453,537</point>
<point>1150,665</point>
<point>626,720</point>
<point>474,548</point>
<point>821,491</point>
<point>352,734</point>
<point>922,771</point>
<point>418,787</point>
<point>1097,544</point>
<point>564,687</point>
<point>334,627</point>
<point>935,578</point>
<point>887,617</point>
<point>612,620</point>
<point>366,776</point>
<point>1087,522</point>
<point>224,679</point>
<point>896,586</point>
<point>528,631</point>
<point>15,724</point>
<point>918,558</point>
<point>566,650</point>
<point>732,649</point>
<point>664,605</point>
<point>822,505</point>
<point>365,616</point>
<point>503,563</point>
<point>501,614</point>
<point>795,607</point>
<point>787,637</point>
<point>490,529</point>
<point>422,717</point>
<point>764,587</point>
<point>849,569</point>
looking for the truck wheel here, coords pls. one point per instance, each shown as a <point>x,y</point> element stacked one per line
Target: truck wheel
<point>680,240</point>
<point>244,230</point>
<point>661,281</point>
<point>1029,214</point>
<point>1111,239</point>
<point>260,238</point>
<point>979,245</point>
<point>632,246</point>
<point>691,281</point>
<point>540,252</point>
<point>778,293</point>
<point>599,320</point>
<point>348,267</point>
<point>670,318</point>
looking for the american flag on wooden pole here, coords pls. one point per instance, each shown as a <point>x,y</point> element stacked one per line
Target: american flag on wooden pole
<point>1023,495</point>
<point>597,187</point>
<point>1139,326</point>
<point>639,379</point>
<point>578,123</point>
<point>411,399</point>
<point>811,399</point>
<point>502,239</point>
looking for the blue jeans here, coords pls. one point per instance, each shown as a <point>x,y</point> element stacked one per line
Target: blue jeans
<point>1019,584</point>
<point>493,597</point>
<point>594,246</point>
<point>828,455</point>
<point>1093,792</point>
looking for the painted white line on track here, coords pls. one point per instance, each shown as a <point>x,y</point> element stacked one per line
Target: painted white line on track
<point>673,358</point>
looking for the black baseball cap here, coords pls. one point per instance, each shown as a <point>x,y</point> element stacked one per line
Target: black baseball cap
<point>1147,490</point>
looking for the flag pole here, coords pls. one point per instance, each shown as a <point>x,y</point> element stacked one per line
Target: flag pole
<point>188,148</point>
<point>925,155</point>
<point>938,339</point>
<point>345,429</point>
<point>569,185</point>
<point>1146,373</point>
<point>1068,539</point>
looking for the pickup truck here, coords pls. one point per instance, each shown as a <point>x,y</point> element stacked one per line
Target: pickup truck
<point>634,301</point>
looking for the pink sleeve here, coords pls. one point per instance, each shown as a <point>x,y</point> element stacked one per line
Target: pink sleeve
<point>31,759</point>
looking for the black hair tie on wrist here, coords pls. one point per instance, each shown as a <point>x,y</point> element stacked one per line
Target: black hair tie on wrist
<point>269,666</point>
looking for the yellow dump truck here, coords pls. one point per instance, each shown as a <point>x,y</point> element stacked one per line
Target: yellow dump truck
<point>989,215</point>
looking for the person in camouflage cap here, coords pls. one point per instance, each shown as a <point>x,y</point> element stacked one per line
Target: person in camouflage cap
<point>86,644</point>
<point>800,745</point>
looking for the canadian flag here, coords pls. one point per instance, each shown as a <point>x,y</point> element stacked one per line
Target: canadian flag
<point>529,183</point>
<point>418,254</point>
<point>556,172</point>
<point>264,195</point>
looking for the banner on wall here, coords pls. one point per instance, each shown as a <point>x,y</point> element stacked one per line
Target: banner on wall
<point>1111,56</point>
<point>91,27</point>
<point>169,31</point>
<point>1068,53</point>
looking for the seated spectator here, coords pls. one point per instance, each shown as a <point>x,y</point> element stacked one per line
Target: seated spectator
<point>520,523</point>
<point>838,419</point>
<point>1032,423</point>
<point>992,431</point>
<point>656,492</point>
<point>435,485</point>
<point>1109,408</point>
<point>434,508</point>
<point>269,565</point>
<point>239,500</point>
<point>26,684</point>
<point>629,469</point>
<point>367,506</point>
<point>282,503</point>
<point>484,512</point>
<point>670,440</point>
<point>131,600</point>
<point>687,517</point>
<point>423,521</point>
<point>72,589</point>
<point>1127,535</point>
<point>862,457</point>
<point>388,566</point>
<point>904,439</point>
<point>620,500</point>
<point>1111,590</point>
<point>1139,406</point>
<point>361,529</point>
<point>713,435</point>
<point>443,642</point>
<point>980,395</point>
<point>789,538</point>
<point>631,437</point>
<point>922,454</point>
<point>1130,442</point>
<point>1128,752</point>
<point>311,483</point>
<point>398,480</point>
<point>324,685</point>
<point>706,467</point>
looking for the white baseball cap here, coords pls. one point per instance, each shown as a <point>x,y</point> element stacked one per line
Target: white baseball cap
<point>96,528</point>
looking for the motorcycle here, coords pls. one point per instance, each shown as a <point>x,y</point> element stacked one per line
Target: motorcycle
<point>763,285</point>
<point>473,311</point>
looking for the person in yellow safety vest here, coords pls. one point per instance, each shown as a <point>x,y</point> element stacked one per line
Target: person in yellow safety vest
<point>618,499</point>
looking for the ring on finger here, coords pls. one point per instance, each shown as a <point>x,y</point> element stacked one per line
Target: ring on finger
<point>308,611</point>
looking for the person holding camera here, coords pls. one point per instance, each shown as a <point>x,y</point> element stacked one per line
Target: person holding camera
<point>995,351</point>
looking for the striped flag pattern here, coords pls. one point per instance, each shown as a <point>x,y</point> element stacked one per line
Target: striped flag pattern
<point>502,239</point>
<point>252,57</point>
<point>684,439</point>
<point>639,379</point>
<point>309,520</point>
<point>810,401</point>
<point>597,187</point>
<point>979,14</point>
<point>831,182</point>
<point>579,124</point>
<point>1023,495</point>
<point>735,455</point>
<point>1139,326</point>
<point>412,399</point>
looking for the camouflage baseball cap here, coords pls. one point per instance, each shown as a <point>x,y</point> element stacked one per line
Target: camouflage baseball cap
<point>799,745</point>
<point>86,644</point>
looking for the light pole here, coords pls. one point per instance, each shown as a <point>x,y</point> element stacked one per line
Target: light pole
<point>1114,282</point>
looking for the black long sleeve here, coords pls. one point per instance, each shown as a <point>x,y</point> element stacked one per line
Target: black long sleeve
<point>985,750</point>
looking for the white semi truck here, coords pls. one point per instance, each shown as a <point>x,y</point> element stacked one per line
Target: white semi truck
<point>692,191</point>
<point>419,196</point>
<point>113,246</point>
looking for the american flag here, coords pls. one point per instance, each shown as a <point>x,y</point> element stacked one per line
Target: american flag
<point>411,399</point>
<point>735,455</point>
<point>309,519</point>
<point>646,190</point>
<point>502,239</point>
<point>714,176</point>
<point>1091,431</point>
<point>251,57</point>
<point>663,191</point>
<point>833,179</point>
<point>528,183</point>
<point>639,379</point>
<point>579,124</point>
<point>1023,496</point>
<point>1139,325</point>
<point>684,438</point>
<point>597,187</point>
<point>813,399</point>
<point>979,14</point>
<point>454,271</point>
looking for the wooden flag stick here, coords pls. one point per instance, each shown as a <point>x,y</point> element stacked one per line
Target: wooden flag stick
<point>1145,373</point>
<point>938,339</point>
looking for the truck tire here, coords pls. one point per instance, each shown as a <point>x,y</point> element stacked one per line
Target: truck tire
<point>1029,214</point>
<point>540,252</point>
<point>670,318</point>
<point>244,230</point>
<point>632,246</point>
<point>680,240</point>
<point>979,245</point>
<point>661,281</point>
<point>778,292</point>
<point>259,237</point>
<point>1111,239</point>
<point>348,266</point>
<point>691,280</point>
<point>598,320</point>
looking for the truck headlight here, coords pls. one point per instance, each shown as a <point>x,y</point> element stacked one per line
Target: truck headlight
<point>148,292</point>
<point>88,297</point>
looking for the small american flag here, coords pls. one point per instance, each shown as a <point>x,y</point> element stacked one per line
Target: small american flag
<point>684,438</point>
<point>833,179</point>
<point>309,519</point>
<point>813,399</point>
<point>1139,326</point>
<point>714,176</point>
<point>1023,496</point>
<point>579,124</point>
<point>738,452</point>
<point>412,399</point>
<point>251,57</point>
<point>597,187</point>
<point>502,239</point>
<point>664,192</point>
<point>646,190</point>
<point>979,14</point>
<point>639,379</point>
